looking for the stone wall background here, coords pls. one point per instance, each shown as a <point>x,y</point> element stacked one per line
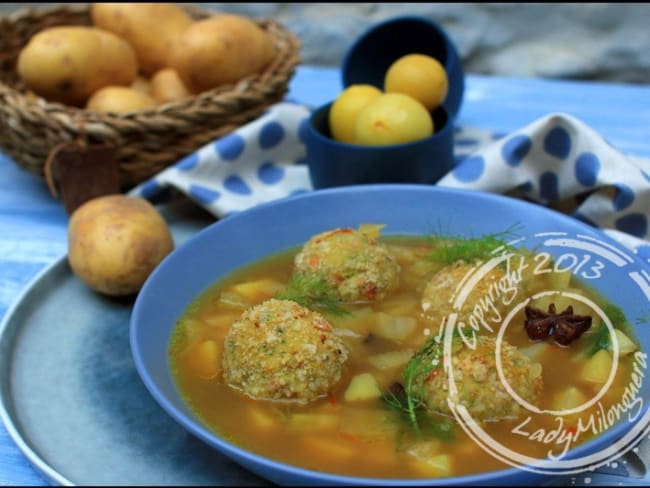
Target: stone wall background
<point>593,41</point>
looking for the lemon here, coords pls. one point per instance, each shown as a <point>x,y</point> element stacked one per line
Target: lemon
<point>392,118</point>
<point>419,76</point>
<point>345,108</point>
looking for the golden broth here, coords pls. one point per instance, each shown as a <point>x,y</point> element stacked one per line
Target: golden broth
<point>364,438</point>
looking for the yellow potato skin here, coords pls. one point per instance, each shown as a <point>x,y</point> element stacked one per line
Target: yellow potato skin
<point>119,99</point>
<point>167,86</point>
<point>392,118</point>
<point>67,64</point>
<point>118,64</point>
<point>150,28</point>
<point>115,242</point>
<point>142,85</point>
<point>220,50</point>
<point>344,110</point>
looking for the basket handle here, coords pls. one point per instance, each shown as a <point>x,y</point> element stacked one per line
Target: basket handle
<point>80,142</point>
<point>47,168</point>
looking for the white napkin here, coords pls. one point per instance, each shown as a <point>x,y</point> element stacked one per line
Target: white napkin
<point>557,160</point>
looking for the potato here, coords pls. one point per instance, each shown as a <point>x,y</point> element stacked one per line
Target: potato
<point>597,368</point>
<point>363,386</point>
<point>625,344</point>
<point>118,64</point>
<point>220,50</point>
<point>569,398</point>
<point>391,359</point>
<point>150,28</point>
<point>433,466</point>
<point>67,64</point>
<point>394,328</point>
<point>206,359</point>
<point>258,290</point>
<point>115,242</point>
<point>167,86</point>
<point>119,99</point>
<point>141,84</point>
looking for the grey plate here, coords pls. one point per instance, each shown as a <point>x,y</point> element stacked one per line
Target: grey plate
<point>72,400</point>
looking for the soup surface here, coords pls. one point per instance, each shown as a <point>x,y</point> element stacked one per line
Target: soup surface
<point>383,413</point>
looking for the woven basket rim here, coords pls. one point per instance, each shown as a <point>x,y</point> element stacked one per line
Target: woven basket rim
<point>213,95</point>
<point>146,141</point>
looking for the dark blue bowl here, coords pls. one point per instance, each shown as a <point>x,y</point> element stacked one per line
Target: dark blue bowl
<point>405,209</point>
<point>368,59</point>
<point>332,163</point>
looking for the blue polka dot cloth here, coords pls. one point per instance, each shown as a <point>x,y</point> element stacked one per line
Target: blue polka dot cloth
<point>259,162</point>
<point>561,162</point>
<point>557,161</point>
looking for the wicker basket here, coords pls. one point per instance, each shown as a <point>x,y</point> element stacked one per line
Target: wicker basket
<point>146,141</point>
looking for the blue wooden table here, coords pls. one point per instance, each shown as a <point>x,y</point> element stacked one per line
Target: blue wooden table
<point>33,224</point>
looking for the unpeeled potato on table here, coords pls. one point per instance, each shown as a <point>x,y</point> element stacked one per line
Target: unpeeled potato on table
<point>68,63</point>
<point>119,99</point>
<point>167,86</point>
<point>220,50</point>
<point>115,242</point>
<point>150,28</point>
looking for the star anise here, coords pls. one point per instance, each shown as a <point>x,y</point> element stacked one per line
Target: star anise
<point>565,327</point>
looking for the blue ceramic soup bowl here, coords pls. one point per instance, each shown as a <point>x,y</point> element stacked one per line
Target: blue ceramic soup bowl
<point>405,209</point>
<point>332,163</point>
